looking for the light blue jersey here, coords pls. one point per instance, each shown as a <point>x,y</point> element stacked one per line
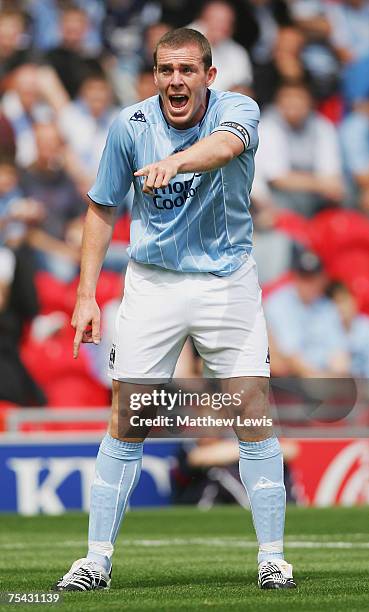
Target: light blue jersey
<point>200,222</point>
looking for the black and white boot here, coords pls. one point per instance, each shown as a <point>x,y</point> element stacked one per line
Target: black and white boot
<point>276,575</point>
<point>84,575</point>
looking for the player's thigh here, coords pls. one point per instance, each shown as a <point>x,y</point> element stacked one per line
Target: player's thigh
<point>129,421</point>
<point>150,327</point>
<point>251,410</point>
<point>229,331</point>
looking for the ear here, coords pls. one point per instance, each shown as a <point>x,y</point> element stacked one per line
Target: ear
<point>211,76</point>
<point>155,77</point>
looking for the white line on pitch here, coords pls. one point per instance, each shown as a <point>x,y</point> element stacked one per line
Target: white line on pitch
<point>220,542</point>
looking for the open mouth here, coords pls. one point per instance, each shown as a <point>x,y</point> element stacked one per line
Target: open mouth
<point>178,100</point>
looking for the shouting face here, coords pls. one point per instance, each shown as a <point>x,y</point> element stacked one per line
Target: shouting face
<point>182,80</point>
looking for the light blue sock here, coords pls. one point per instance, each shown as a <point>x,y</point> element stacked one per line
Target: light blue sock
<point>118,467</point>
<point>261,471</point>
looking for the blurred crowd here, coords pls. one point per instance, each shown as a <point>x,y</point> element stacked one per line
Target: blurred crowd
<point>66,68</point>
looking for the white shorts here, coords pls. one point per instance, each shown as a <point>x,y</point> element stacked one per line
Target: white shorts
<point>161,308</point>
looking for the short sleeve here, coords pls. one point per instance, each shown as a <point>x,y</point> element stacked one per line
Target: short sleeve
<point>240,115</point>
<point>115,174</point>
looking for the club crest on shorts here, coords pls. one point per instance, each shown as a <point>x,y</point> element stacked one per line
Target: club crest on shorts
<point>112,357</point>
<point>268,357</point>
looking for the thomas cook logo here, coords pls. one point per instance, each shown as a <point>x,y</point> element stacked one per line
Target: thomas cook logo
<point>175,194</point>
<point>112,357</point>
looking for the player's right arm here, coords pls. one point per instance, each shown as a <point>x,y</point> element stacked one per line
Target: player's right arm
<point>97,234</point>
<point>113,181</point>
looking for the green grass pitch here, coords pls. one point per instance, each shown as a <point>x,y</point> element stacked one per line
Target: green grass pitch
<point>184,559</point>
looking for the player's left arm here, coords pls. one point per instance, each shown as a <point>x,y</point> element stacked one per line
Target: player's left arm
<point>214,151</point>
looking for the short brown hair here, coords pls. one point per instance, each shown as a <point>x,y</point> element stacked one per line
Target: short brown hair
<point>185,36</point>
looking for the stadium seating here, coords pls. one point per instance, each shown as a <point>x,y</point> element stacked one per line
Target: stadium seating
<point>121,229</point>
<point>341,239</point>
<point>56,295</point>
<point>294,225</point>
<point>65,381</point>
<point>351,267</point>
<point>333,231</point>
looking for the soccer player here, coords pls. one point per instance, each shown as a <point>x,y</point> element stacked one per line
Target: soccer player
<point>190,154</point>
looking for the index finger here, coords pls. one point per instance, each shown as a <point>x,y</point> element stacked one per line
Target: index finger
<point>77,342</point>
<point>142,172</point>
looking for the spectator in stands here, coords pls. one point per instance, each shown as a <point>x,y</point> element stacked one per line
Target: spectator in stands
<point>305,326</point>
<point>69,59</point>
<point>48,182</point>
<point>125,71</point>
<point>269,16</point>
<point>206,473</point>
<point>23,105</point>
<point>178,13</point>
<point>298,156</point>
<point>124,25</point>
<point>18,305</point>
<point>45,15</point>
<point>16,212</point>
<point>12,41</point>
<point>285,64</point>
<point>356,326</point>
<point>217,22</point>
<point>310,16</point>
<point>145,85</point>
<point>320,59</point>
<point>152,35</point>
<point>355,145</point>
<point>349,27</point>
<point>297,57</point>
<point>84,123</point>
